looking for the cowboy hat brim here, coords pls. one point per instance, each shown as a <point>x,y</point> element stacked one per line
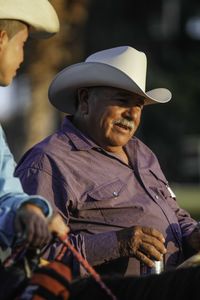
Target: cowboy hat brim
<point>40,15</point>
<point>62,90</point>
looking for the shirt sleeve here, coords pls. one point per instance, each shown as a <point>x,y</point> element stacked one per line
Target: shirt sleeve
<point>11,192</point>
<point>96,248</point>
<point>101,248</point>
<point>186,222</point>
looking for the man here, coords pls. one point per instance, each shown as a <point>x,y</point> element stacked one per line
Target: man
<point>106,183</point>
<point>19,213</point>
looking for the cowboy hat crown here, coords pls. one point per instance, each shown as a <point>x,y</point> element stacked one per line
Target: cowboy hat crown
<point>121,67</point>
<point>38,14</point>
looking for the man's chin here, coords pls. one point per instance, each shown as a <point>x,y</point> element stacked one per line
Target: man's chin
<point>119,143</point>
<point>5,82</point>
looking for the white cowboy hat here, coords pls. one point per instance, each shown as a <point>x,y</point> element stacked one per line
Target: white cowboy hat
<point>121,67</point>
<point>38,14</point>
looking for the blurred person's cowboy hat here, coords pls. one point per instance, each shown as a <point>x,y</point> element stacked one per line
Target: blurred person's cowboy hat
<point>38,14</point>
<point>121,67</point>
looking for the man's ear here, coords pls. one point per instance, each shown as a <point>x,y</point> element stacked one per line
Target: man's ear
<point>3,39</point>
<point>83,96</point>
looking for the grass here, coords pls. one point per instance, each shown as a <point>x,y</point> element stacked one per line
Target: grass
<point>188,197</point>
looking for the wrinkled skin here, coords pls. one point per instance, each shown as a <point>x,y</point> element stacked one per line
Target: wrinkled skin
<point>101,113</point>
<point>143,243</point>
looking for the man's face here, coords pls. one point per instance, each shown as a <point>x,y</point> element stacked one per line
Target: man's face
<point>11,54</point>
<point>113,116</point>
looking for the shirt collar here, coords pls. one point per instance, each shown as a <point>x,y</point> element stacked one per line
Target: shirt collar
<point>79,140</point>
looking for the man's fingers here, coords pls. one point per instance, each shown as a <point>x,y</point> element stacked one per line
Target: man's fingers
<point>154,233</point>
<point>151,251</point>
<point>29,231</point>
<point>149,242</point>
<point>18,227</point>
<point>144,258</point>
<point>37,233</point>
<point>31,224</point>
<point>56,225</point>
<point>141,242</point>
<point>153,244</point>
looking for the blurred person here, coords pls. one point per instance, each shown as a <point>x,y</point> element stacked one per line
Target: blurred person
<point>22,216</point>
<point>105,182</point>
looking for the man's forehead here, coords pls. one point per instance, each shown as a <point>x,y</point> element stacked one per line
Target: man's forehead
<point>125,93</point>
<point>120,93</point>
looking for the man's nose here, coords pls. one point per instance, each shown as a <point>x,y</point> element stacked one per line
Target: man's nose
<point>130,113</point>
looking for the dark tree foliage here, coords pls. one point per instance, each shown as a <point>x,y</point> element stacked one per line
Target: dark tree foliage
<point>159,29</point>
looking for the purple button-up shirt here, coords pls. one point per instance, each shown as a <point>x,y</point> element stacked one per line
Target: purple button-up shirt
<point>98,194</point>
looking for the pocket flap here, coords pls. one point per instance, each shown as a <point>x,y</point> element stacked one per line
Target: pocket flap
<point>108,191</point>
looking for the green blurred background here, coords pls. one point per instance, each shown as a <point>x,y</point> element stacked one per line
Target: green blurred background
<point>188,197</point>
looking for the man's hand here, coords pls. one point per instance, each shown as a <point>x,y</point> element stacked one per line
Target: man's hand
<point>146,244</point>
<point>33,228</point>
<point>57,226</point>
<point>31,225</point>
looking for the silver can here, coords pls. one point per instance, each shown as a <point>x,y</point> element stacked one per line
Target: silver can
<point>157,269</point>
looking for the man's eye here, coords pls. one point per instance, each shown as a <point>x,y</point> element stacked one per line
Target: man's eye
<point>120,100</point>
<point>140,105</point>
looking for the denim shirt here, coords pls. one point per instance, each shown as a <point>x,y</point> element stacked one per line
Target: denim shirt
<point>98,194</point>
<point>12,195</point>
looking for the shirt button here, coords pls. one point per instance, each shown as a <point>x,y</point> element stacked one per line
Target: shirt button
<point>115,194</point>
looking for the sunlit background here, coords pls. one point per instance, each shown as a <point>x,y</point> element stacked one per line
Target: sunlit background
<point>168,31</point>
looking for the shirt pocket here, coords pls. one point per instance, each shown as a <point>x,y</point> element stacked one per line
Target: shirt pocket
<point>114,204</point>
<point>108,195</point>
<point>159,185</point>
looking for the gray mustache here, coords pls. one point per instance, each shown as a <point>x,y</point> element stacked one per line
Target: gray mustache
<point>125,122</point>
